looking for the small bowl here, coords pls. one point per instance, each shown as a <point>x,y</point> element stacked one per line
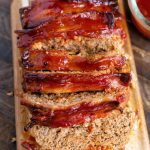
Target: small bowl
<point>141,22</point>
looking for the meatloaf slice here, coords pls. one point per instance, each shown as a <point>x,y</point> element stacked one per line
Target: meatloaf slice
<point>59,60</point>
<point>70,116</point>
<point>62,100</point>
<point>64,110</point>
<point>55,82</point>
<point>113,131</point>
<point>90,31</point>
<point>47,10</point>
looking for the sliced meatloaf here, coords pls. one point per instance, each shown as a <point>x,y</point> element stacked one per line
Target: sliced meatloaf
<point>90,31</point>
<point>111,131</point>
<point>62,100</point>
<point>63,110</point>
<point>49,10</point>
<point>59,60</point>
<point>55,82</point>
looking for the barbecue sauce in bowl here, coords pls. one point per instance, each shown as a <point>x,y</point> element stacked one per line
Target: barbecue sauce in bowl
<point>144,6</point>
<point>140,10</point>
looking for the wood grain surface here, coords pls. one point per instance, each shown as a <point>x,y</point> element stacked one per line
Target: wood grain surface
<point>140,45</point>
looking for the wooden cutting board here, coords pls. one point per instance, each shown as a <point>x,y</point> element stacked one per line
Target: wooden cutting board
<point>139,137</point>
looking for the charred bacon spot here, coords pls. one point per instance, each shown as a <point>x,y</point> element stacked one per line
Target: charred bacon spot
<point>111,19</point>
<point>110,106</point>
<point>45,64</point>
<point>29,125</point>
<point>125,78</point>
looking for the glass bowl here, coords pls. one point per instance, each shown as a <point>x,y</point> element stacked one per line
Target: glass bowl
<point>141,22</point>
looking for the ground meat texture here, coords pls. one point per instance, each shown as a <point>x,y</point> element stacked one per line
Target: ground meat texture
<point>68,99</point>
<point>112,131</point>
<point>82,45</point>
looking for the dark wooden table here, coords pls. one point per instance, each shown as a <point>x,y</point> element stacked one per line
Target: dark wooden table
<point>141,47</point>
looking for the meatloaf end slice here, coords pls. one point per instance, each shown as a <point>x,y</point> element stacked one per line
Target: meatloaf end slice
<point>113,131</point>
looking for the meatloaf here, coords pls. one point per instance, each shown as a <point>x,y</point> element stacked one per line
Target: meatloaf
<point>76,76</point>
<point>111,131</point>
<point>64,110</point>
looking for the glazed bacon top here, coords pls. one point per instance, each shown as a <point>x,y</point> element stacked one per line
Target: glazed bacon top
<point>60,60</point>
<point>69,82</point>
<point>71,116</point>
<point>89,24</point>
<point>47,10</point>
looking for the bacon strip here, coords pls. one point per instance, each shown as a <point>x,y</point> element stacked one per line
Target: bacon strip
<point>67,82</point>
<point>36,60</point>
<point>74,115</point>
<point>48,10</point>
<point>88,24</point>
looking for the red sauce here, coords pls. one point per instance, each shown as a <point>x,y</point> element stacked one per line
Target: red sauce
<point>62,83</point>
<point>73,115</point>
<point>60,61</point>
<point>144,6</point>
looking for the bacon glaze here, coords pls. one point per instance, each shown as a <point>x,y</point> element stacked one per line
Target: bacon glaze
<point>74,115</point>
<point>58,60</point>
<point>69,82</point>
<point>48,10</point>
<point>88,24</point>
